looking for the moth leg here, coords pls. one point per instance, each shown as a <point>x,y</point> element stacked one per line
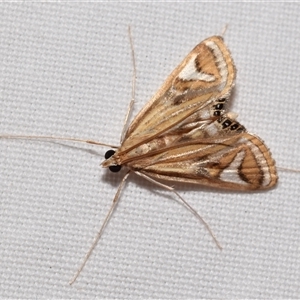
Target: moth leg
<point>185,203</point>
<point>129,110</point>
<point>98,236</point>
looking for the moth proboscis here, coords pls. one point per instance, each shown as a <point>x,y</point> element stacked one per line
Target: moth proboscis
<point>184,133</point>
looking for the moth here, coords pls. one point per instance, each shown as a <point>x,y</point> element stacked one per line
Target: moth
<point>185,134</point>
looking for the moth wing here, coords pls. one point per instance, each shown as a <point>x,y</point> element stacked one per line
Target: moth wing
<point>205,76</point>
<point>237,162</point>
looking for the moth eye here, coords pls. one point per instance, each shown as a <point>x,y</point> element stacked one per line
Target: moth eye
<point>115,168</point>
<point>109,154</point>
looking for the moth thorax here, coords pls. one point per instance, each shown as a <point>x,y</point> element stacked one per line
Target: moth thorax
<point>110,162</point>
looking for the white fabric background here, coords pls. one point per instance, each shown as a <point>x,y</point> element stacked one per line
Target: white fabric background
<point>66,71</point>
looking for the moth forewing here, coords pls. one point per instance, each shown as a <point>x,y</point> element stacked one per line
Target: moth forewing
<point>195,92</point>
<point>207,72</point>
<point>240,162</point>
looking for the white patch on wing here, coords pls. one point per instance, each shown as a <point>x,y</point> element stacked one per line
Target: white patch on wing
<point>231,174</point>
<point>189,72</point>
<point>212,129</point>
<point>232,115</point>
<point>205,114</point>
<point>221,63</point>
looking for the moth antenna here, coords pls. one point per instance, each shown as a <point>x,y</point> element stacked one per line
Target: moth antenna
<point>98,236</point>
<point>130,106</point>
<point>56,138</point>
<point>224,30</point>
<point>185,203</point>
<point>288,169</point>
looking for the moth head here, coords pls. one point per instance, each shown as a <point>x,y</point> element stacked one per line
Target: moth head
<point>110,161</point>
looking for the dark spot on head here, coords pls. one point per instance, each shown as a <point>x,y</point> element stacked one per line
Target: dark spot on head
<point>217,113</point>
<point>115,168</point>
<point>109,153</point>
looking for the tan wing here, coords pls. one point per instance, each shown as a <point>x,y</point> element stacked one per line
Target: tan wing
<point>208,130</point>
<point>237,162</point>
<point>196,90</point>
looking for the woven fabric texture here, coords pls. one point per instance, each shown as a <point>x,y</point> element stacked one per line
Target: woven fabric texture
<point>66,70</point>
